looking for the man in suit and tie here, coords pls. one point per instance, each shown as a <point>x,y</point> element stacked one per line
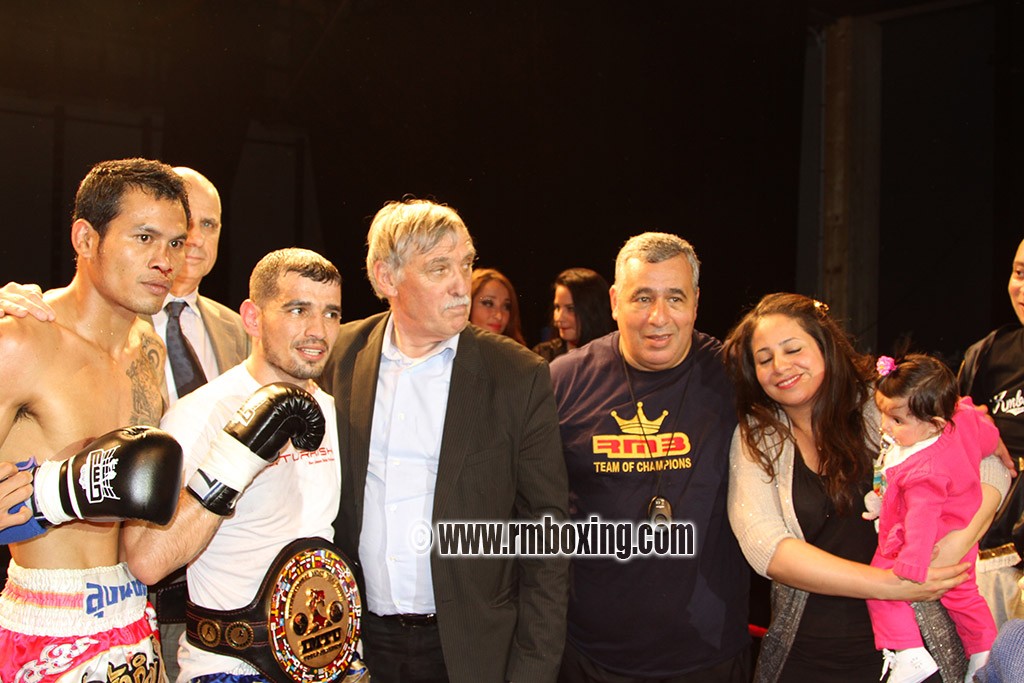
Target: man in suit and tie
<point>198,329</point>
<point>439,421</point>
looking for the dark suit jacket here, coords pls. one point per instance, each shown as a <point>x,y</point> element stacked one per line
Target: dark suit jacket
<point>501,458</point>
<point>231,344</point>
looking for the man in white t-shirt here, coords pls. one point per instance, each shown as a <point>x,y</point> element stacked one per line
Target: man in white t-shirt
<point>292,316</point>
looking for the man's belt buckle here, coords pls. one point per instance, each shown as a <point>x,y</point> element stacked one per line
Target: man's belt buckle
<point>416,620</point>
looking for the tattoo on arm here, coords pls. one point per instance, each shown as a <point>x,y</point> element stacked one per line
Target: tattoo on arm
<point>146,374</point>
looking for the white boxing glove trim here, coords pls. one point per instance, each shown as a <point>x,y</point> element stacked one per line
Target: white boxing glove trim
<point>231,463</point>
<point>46,492</point>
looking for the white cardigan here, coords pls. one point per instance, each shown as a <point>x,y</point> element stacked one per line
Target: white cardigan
<point>761,511</point>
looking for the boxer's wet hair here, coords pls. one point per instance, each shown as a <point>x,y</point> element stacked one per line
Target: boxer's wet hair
<point>99,195</point>
<point>308,264</point>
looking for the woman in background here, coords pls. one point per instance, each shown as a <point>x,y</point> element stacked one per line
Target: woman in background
<point>581,312</point>
<point>495,306</point>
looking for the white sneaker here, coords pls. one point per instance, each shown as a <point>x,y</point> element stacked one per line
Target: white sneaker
<point>912,665</point>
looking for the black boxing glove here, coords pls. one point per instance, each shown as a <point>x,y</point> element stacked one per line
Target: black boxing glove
<point>251,441</point>
<point>129,473</point>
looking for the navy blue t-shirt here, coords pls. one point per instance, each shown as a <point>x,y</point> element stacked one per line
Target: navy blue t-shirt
<point>653,616</point>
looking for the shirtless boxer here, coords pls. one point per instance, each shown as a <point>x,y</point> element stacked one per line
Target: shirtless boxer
<point>70,611</point>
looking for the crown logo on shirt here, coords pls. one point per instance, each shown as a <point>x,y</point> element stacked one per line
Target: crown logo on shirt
<point>641,425</point>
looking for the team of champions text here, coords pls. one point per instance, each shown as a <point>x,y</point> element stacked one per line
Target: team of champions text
<point>546,537</point>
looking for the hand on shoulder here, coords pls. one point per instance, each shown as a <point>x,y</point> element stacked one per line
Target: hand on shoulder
<point>23,300</point>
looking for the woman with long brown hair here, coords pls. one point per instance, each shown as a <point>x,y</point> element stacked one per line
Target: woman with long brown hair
<point>801,463</point>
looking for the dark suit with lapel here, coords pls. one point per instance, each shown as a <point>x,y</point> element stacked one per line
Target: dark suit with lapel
<point>501,458</point>
<point>231,345</point>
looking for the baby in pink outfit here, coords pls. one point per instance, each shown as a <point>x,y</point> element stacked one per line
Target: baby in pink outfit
<point>932,446</point>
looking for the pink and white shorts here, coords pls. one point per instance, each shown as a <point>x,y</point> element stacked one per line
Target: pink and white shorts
<point>82,625</point>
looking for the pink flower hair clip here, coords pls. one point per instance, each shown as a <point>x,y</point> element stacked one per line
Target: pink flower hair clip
<point>885,365</point>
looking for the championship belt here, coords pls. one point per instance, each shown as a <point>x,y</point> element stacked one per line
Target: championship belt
<point>303,624</point>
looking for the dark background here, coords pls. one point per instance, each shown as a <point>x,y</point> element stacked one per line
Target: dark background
<point>557,129</point>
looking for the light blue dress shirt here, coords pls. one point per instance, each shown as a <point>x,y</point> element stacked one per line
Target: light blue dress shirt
<point>405,446</point>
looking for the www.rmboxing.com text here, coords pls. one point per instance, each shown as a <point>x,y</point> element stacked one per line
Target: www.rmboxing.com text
<point>592,538</point>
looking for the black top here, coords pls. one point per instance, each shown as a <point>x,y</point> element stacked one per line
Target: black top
<point>999,384</point>
<point>993,376</point>
<point>551,349</point>
<point>835,632</point>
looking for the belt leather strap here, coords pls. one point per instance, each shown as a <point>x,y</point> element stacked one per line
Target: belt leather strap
<point>303,624</point>
<point>171,595</point>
